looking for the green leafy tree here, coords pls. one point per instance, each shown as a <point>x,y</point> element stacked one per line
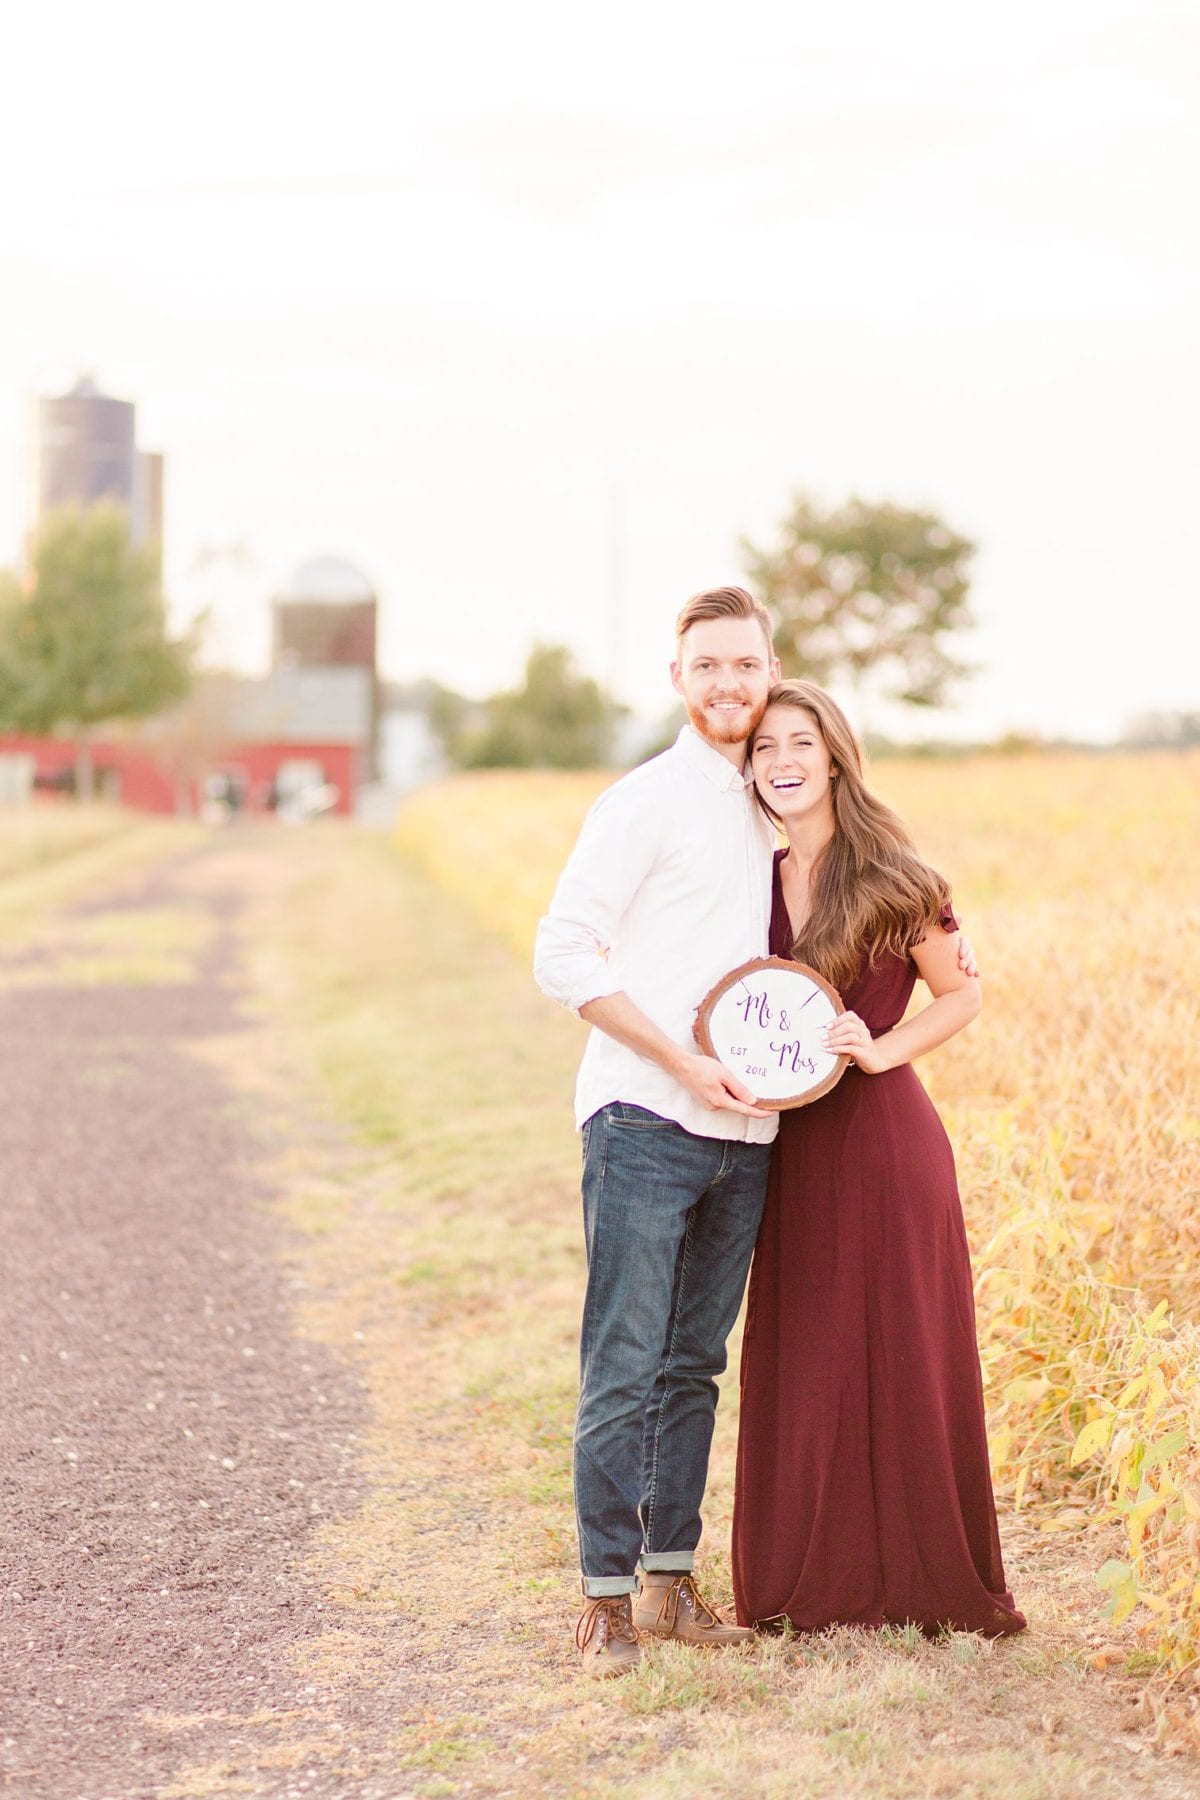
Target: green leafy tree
<point>867,591</point>
<point>450,717</point>
<point>83,638</point>
<point>556,720</point>
<point>1163,730</point>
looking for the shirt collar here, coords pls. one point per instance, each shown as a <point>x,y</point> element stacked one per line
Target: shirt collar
<point>703,756</point>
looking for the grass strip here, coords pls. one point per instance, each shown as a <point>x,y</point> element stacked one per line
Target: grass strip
<point>42,870</point>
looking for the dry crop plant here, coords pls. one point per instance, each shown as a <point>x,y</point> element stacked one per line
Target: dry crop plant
<point>1074,1116</point>
<point>1072,1106</point>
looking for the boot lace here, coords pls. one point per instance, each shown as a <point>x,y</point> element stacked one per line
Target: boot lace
<point>610,1617</point>
<point>685,1587</point>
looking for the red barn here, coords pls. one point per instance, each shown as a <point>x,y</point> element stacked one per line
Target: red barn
<point>264,745</point>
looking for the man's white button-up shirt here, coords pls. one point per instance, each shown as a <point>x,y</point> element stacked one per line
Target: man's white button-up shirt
<point>667,889</point>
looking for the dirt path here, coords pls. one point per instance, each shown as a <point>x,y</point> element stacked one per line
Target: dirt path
<point>168,1444</point>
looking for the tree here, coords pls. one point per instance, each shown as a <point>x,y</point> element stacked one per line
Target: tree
<point>83,639</point>
<point>189,737</point>
<point>1163,730</point>
<point>452,719</point>
<point>867,590</point>
<point>556,720</point>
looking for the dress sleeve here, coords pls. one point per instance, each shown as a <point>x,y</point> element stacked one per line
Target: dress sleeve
<point>948,918</point>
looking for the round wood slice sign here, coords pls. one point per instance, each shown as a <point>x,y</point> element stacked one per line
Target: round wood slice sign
<point>764,1021</point>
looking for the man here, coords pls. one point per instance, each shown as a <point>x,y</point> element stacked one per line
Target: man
<point>667,889</point>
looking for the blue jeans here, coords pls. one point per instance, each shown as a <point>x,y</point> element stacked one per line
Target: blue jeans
<point>670,1221</point>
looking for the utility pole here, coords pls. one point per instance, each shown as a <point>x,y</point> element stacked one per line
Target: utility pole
<point>615,587</point>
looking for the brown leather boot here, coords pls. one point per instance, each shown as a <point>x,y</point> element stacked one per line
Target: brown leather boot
<point>670,1605</point>
<point>608,1644</point>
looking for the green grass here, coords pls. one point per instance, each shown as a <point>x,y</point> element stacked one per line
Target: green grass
<point>49,860</point>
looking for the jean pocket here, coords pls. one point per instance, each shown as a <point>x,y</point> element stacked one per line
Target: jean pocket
<point>638,1118</point>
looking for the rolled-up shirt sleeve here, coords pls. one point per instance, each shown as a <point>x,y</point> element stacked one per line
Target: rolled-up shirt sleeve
<point>616,850</point>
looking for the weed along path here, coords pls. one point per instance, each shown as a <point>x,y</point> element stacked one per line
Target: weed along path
<point>292,1270</point>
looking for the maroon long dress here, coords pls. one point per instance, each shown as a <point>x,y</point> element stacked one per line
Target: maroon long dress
<point>863,1489</point>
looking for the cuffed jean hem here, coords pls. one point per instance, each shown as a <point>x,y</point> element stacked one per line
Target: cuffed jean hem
<point>603,1587</point>
<point>669,1562</point>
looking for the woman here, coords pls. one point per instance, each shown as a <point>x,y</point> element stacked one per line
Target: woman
<point>863,1492</point>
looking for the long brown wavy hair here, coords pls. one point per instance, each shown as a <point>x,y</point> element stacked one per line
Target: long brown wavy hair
<point>871,892</point>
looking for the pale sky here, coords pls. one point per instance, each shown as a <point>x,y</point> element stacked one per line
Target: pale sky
<point>427,292</point>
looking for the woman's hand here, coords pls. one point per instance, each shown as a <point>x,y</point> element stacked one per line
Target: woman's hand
<point>848,1036</point>
<point>956,1000</point>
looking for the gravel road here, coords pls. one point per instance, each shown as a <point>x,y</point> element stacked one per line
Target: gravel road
<point>168,1445</point>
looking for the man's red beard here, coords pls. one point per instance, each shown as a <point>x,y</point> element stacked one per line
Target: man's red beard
<point>730,734</point>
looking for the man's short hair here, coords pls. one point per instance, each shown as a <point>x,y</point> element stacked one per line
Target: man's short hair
<point>724,603</point>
